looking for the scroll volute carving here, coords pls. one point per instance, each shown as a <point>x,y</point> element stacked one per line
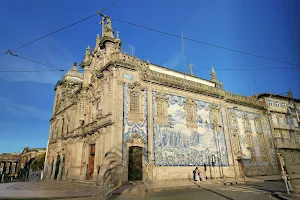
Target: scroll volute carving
<point>135,102</point>
<point>161,112</point>
<point>190,108</point>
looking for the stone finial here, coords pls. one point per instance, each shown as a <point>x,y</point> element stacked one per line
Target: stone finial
<point>97,39</point>
<point>87,54</point>
<point>88,50</point>
<point>191,69</point>
<point>74,68</point>
<point>213,75</point>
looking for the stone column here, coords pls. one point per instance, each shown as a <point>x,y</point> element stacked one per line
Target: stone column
<point>119,90</point>
<point>101,159</point>
<point>13,168</point>
<point>150,134</point>
<point>229,142</point>
<point>53,169</point>
<point>7,167</point>
<point>60,172</point>
<point>1,167</point>
<point>16,168</point>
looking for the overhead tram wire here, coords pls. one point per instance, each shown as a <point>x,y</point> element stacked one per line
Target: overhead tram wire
<point>15,55</point>
<point>63,28</point>
<point>180,71</point>
<point>205,43</point>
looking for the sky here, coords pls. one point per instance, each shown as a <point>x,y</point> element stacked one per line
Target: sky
<point>269,28</point>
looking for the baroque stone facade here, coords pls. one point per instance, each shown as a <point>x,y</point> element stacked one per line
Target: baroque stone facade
<point>127,119</point>
<point>18,164</point>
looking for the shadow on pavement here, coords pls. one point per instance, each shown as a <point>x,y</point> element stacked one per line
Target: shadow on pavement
<point>217,193</point>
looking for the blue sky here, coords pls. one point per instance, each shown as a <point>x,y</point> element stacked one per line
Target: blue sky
<point>270,28</point>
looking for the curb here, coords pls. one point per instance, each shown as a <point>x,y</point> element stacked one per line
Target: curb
<point>108,193</point>
<point>170,188</point>
<point>279,195</point>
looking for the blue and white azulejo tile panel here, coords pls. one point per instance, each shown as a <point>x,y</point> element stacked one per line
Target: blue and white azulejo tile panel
<point>129,128</point>
<point>177,145</point>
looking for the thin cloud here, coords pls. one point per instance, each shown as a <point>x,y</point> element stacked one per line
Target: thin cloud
<point>23,110</point>
<point>52,54</point>
<point>174,61</point>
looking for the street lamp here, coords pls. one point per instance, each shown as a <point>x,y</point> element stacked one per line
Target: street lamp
<point>231,141</point>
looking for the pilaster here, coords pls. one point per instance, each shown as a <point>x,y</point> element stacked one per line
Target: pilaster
<point>150,134</point>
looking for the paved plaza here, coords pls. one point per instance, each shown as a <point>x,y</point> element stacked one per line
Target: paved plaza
<point>187,190</point>
<point>49,189</point>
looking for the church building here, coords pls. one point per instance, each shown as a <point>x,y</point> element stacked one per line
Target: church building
<point>125,119</point>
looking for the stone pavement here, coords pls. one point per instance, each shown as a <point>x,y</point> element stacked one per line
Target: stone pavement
<point>281,193</point>
<point>49,189</point>
<point>294,194</point>
<point>203,190</point>
<point>272,178</point>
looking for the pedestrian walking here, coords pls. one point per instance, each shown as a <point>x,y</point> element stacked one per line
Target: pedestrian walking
<point>196,174</point>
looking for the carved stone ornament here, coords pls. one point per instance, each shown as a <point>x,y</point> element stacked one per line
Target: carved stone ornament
<point>190,108</point>
<point>67,97</point>
<point>233,119</point>
<point>246,122</point>
<point>215,115</point>
<point>136,139</point>
<point>249,139</point>
<point>161,101</point>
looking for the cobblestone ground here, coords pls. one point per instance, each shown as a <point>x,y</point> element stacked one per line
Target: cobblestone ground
<point>49,189</point>
<point>253,191</point>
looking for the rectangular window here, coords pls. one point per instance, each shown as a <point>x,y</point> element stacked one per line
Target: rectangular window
<point>288,120</point>
<point>281,120</point>
<point>274,119</point>
<point>283,105</point>
<point>295,122</point>
<point>277,104</point>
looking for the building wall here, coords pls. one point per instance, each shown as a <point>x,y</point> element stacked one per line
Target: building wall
<point>175,149</point>
<point>177,127</point>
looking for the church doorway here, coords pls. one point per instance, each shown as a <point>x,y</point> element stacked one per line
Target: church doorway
<point>135,169</point>
<point>91,162</point>
<point>57,167</point>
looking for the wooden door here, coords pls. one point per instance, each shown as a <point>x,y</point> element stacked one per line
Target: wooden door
<point>91,162</point>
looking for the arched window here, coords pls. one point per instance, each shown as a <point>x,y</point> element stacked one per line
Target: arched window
<point>270,102</point>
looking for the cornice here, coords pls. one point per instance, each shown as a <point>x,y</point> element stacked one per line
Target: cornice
<point>125,61</point>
